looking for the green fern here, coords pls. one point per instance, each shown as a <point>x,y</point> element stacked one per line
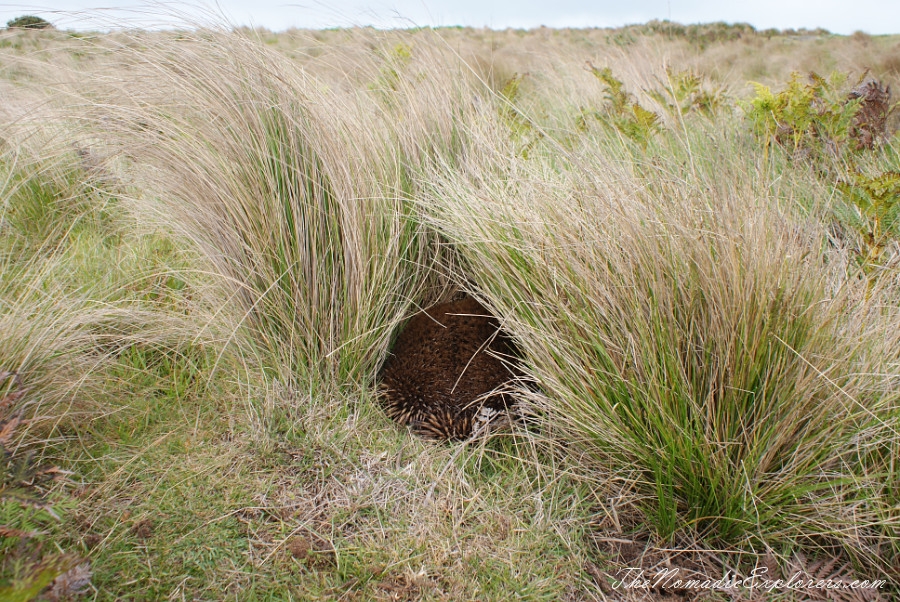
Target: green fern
<point>395,62</point>
<point>876,202</point>
<point>804,115</point>
<point>622,111</point>
<point>520,126</point>
<point>683,93</point>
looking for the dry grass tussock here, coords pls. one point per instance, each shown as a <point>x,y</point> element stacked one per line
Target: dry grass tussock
<point>296,197</point>
<point>690,335</point>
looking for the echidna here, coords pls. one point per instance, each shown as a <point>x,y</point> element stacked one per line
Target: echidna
<point>441,376</point>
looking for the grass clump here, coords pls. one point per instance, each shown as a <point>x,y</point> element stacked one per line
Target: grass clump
<point>299,209</point>
<point>225,441</point>
<point>687,341</point>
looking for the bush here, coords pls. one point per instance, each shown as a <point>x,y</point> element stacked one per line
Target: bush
<point>28,22</point>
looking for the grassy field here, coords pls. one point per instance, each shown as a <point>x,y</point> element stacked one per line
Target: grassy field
<point>209,239</point>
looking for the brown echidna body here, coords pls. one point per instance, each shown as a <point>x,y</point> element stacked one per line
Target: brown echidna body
<point>441,367</point>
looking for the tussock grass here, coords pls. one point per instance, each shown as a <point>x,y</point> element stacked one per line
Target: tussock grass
<point>80,291</point>
<point>690,336</point>
<point>295,197</point>
<point>224,467</point>
<point>47,326</point>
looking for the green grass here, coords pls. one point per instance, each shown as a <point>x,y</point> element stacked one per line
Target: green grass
<point>223,511</point>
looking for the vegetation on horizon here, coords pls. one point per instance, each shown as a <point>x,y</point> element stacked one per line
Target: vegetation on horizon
<point>28,22</point>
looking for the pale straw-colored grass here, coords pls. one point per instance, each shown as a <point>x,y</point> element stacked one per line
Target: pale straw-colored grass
<point>296,197</point>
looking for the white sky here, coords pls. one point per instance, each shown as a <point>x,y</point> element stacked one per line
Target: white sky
<point>838,16</point>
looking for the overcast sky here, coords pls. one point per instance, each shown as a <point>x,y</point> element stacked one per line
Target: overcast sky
<point>838,16</point>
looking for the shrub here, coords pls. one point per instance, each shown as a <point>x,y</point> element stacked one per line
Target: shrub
<point>28,22</point>
<point>702,34</point>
